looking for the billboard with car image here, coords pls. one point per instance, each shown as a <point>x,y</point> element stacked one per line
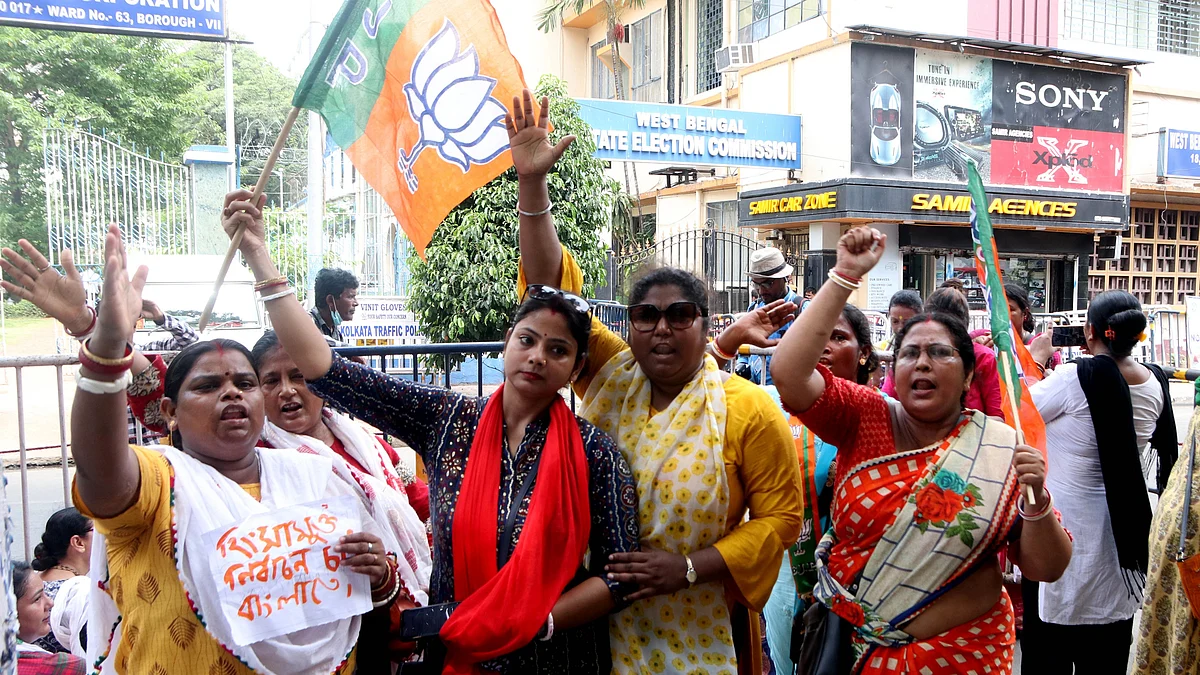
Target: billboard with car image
<point>1023,124</point>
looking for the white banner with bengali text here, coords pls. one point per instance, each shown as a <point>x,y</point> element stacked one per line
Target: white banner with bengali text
<point>277,572</point>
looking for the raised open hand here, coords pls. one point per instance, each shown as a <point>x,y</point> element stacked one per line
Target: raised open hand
<point>529,137</point>
<point>61,296</point>
<point>121,302</point>
<point>755,328</point>
<point>859,250</point>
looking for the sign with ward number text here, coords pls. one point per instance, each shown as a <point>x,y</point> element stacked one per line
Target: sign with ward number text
<point>277,572</point>
<point>187,19</point>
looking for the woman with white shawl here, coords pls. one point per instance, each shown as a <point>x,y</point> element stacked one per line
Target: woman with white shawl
<point>160,610</point>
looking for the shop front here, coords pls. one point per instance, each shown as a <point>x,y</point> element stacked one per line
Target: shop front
<point>1047,138</point>
<point>1044,236</point>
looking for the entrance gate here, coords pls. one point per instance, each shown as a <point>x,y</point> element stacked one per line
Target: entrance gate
<point>720,257</point>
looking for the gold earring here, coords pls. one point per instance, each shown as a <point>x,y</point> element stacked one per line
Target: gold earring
<point>171,426</point>
<point>862,361</point>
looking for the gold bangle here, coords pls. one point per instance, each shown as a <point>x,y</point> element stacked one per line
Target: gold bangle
<point>124,361</point>
<point>267,283</point>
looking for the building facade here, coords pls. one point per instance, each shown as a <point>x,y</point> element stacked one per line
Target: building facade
<point>1063,104</point>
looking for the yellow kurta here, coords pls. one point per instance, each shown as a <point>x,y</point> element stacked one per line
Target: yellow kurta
<point>1167,638</point>
<point>760,465</point>
<point>161,633</point>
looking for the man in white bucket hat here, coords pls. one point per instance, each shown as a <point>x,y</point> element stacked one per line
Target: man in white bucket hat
<point>769,274</point>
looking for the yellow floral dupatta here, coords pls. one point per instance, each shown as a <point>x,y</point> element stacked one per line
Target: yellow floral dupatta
<point>677,461</point>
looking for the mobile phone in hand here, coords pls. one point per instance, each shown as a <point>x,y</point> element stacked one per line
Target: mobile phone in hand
<point>1067,336</point>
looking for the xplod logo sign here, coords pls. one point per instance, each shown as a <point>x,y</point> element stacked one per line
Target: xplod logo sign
<point>1065,159</point>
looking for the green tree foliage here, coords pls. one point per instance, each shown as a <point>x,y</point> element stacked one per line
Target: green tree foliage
<point>262,98</point>
<point>464,291</point>
<point>133,88</point>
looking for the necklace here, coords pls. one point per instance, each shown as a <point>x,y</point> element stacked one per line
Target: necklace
<point>66,568</point>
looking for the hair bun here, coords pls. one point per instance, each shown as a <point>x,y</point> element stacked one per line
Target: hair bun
<point>41,560</point>
<point>1127,324</point>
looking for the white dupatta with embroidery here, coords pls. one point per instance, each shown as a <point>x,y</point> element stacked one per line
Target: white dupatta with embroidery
<point>204,501</point>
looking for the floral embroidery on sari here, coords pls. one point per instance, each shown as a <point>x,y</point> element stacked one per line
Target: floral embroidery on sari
<point>947,500</point>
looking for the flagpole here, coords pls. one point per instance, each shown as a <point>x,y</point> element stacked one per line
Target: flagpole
<point>241,231</point>
<point>1016,416</point>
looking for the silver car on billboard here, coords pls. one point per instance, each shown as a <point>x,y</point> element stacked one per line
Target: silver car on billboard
<point>885,124</point>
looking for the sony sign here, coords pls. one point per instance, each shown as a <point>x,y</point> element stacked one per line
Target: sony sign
<point>1056,96</point>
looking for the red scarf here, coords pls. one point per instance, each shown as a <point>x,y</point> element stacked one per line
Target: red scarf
<point>503,610</point>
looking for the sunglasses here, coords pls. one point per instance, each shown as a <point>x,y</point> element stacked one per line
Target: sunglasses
<point>680,316</point>
<point>543,292</point>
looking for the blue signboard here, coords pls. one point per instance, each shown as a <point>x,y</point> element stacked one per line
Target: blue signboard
<point>1179,153</point>
<point>689,135</point>
<point>189,19</point>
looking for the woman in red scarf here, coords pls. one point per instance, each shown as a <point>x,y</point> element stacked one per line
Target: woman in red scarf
<point>520,489</point>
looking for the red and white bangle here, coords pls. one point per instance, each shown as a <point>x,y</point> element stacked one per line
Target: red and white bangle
<point>390,588</point>
<point>845,281</point>
<point>720,352</point>
<point>105,366</point>
<point>1046,510</point>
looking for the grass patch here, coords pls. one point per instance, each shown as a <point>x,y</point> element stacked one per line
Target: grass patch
<point>24,335</point>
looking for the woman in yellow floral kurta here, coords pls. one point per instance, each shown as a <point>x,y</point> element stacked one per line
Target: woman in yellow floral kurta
<point>705,448</point>
<point>1168,638</point>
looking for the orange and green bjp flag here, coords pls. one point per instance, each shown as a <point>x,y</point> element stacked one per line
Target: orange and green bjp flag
<point>1019,410</point>
<point>415,91</point>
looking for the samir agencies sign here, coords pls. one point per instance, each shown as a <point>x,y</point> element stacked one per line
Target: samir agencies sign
<point>880,199</point>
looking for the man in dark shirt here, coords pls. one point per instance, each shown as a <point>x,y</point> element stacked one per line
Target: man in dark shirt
<point>335,295</point>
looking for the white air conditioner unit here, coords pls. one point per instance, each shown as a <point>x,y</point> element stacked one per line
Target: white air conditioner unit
<point>734,57</point>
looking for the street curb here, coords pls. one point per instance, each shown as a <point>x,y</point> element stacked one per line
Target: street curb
<point>36,463</point>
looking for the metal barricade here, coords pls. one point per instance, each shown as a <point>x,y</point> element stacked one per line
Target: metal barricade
<point>1168,338</point>
<point>19,366</point>
<point>612,315</point>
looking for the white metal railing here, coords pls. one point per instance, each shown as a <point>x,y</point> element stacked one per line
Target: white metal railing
<point>19,364</point>
<point>92,181</point>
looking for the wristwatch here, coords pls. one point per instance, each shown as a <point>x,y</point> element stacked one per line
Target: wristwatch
<point>691,572</point>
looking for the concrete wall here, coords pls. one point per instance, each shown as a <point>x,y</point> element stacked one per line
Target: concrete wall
<point>939,17</point>
<point>679,213</point>
<point>821,94</point>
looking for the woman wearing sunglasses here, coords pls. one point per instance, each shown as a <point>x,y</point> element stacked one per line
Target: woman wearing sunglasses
<point>520,489</point>
<point>704,447</point>
<point>925,493</point>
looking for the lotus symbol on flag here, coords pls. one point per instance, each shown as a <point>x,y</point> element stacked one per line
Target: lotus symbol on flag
<point>453,106</point>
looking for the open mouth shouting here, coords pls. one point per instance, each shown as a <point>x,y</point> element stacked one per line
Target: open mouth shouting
<point>923,387</point>
<point>292,409</point>
<point>235,415</point>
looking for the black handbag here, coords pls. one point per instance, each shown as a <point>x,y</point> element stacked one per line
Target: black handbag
<point>824,642</point>
<point>422,625</point>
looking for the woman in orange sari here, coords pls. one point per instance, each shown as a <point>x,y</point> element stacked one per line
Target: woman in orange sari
<point>925,494</point>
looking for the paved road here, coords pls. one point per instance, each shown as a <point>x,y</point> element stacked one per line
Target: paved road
<point>45,497</point>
